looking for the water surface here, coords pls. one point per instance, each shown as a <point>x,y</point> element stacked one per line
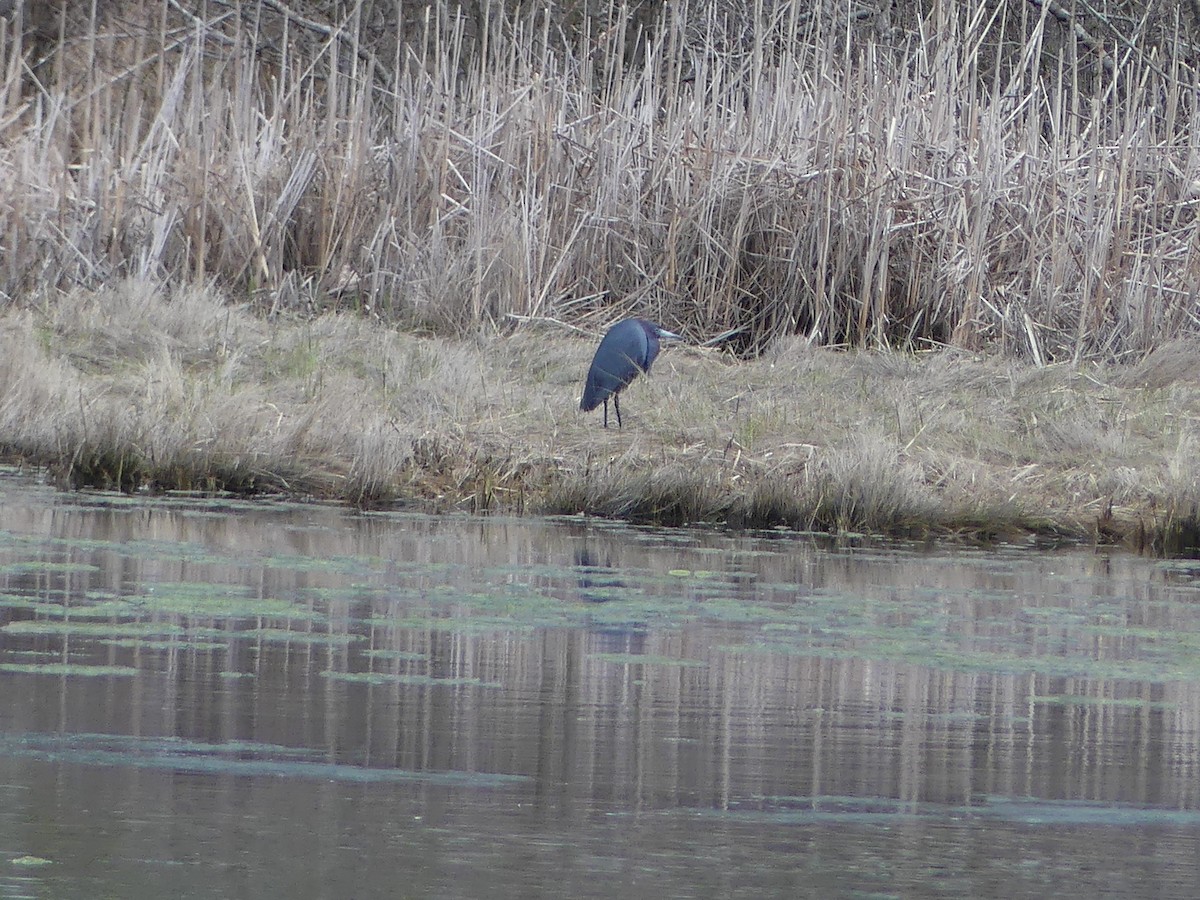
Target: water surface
<point>203,699</point>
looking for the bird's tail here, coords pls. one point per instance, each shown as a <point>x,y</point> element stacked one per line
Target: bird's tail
<point>592,397</point>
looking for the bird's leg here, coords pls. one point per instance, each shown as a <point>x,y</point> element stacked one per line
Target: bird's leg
<point>605,412</point>
<point>617,407</point>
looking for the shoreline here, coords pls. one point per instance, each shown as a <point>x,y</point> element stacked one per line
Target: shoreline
<point>134,390</point>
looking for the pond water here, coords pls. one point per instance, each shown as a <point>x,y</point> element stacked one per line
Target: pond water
<point>202,699</point>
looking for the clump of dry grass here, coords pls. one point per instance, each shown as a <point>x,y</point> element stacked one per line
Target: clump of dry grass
<point>869,486</point>
<point>992,177</point>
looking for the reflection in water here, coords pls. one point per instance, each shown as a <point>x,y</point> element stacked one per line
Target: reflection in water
<point>257,700</point>
<point>596,571</point>
<point>598,583</point>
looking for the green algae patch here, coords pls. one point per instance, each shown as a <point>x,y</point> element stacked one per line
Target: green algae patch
<point>389,678</point>
<point>463,625</point>
<point>605,593</point>
<point>32,861</point>
<point>188,601</point>
<point>16,601</point>
<point>68,669</point>
<point>46,567</point>
<point>283,635</point>
<point>413,655</point>
<point>515,604</point>
<point>334,565</point>
<point>648,660</point>
<point>1083,700</point>
<point>46,655</point>
<point>356,589</point>
<point>164,644</point>
<point>93,629</point>
<point>237,758</point>
<point>215,601</point>
<point>933,642</point>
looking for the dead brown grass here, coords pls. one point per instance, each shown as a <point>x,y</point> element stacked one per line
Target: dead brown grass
<point>135,388</point>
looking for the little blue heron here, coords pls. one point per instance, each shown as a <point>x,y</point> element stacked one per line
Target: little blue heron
<point>629,347</point>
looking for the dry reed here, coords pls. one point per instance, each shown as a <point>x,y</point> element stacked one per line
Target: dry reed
<point>991,176</point>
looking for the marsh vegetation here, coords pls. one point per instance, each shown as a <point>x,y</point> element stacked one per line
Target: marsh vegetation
<point>348,250</point>
<point>128,388</point>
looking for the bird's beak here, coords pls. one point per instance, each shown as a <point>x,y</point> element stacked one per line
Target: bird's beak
<point>664,335</point>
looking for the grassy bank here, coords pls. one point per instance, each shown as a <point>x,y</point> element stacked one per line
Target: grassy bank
<point>131,388</point>
<point>351,250</point>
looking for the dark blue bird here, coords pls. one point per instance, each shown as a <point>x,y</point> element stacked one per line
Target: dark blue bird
<point>629,347</point>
